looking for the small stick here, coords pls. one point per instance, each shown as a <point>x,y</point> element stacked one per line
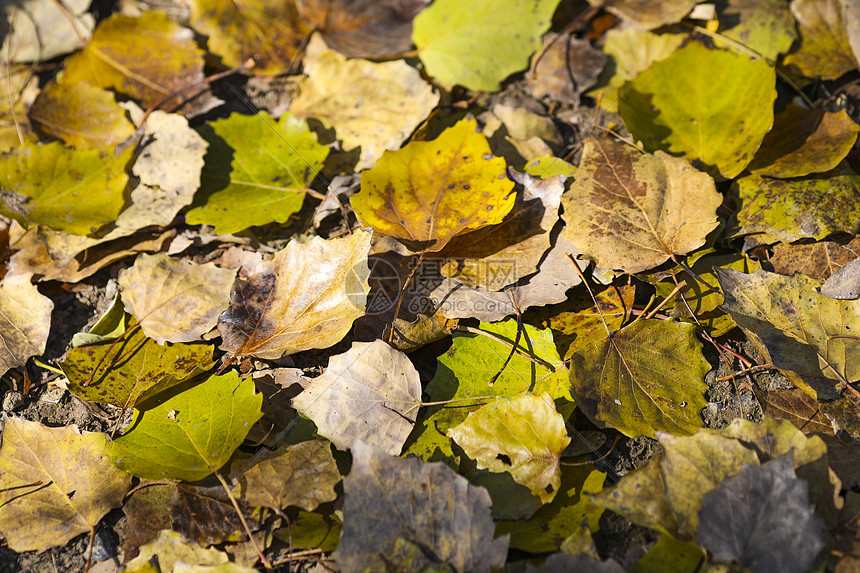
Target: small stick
<point>403,292</point>
<point>591,294</point>
<point>675,291</point>
<point>516,339</point>
<point>500,340</point>
<point>226,487</point>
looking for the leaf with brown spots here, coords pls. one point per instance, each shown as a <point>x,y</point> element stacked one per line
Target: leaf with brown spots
<point>816,260</point>
<point>429,192</point>
<point>633,211</point>
<point>306,297</point>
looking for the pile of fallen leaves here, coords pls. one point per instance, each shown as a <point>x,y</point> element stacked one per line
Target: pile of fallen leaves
<point>283,274</point>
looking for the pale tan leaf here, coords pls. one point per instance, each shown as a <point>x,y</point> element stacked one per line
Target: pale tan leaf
<point>25,319</point>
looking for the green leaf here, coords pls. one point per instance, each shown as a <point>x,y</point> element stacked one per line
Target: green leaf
<point>554,522</point>
<point>523,435</point>
<point>464,372</point>
<point>787,210</point>
<point>478,44</point>
<point>765,26</point>
<point>670,555</point>
<point>673,106</point>
<point>132,369</point>
<point>74,191</point>
<point>644,378</point>
<point>190,431</point>
<point>272,164</point>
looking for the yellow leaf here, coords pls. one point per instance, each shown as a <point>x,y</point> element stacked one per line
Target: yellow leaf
<point>429,192</point>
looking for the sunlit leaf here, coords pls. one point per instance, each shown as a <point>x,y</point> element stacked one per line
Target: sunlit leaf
<point>162,59</point>
<point>764,26</point>
<point>648,15</point>
<point>70,190</point>
<point>271,167</point>
<point>370,393</point>
<point>39,30</point>
<point>450,517</point>
<point>190,431</point>
<point>172,547</point>
<point>306,297</point>
<point>634,211</point>
<point>722,128</point>
<point>175,300</point>
<point>431,191</point>
<point>825,49</point>
<point>816,260</point>
<point>55,483</point>
<point>478,44</point>
<point>25,321</point>
<point>644,378</point>
<point>524,435</point>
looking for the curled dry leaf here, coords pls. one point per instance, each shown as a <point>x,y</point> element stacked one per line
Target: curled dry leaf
<point>345,94</point>
<point>634,211</point>
<point>55,483</point>
<point>306,297</point>
<point>175,300</point>
<point>25,320</point>
<point>433,506</point>
<point>370,393</point>
<point>363,28</point>
<point>428,192</point>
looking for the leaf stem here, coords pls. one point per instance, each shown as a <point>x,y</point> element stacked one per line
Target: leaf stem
<point>500,340</point>
<point>591,294</point>
<point>403,292</point>
<point>226,487</point>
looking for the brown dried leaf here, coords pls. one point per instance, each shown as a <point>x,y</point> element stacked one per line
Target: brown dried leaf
<point>146,514</point>
<point>566,68</point>
<point>633,211</point>
<point>363,28</point>
<point>797,407</point>
<point>206,515</point>
<point>816,260</point>
<point>306,297</point>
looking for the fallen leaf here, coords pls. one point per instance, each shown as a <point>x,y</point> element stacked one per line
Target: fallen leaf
<point>133,369</point>
<point>81,115</point>
<point>163,59</point>
<point>762,519</point>
<point>22,87</point>
<point>816,260</point>
<point>566,68</point>
<point>723,129</point>
<point>301,475</point>
<point>422,195</point>
<point>363,28</point>
<point>312,531</point>
<point>40,30</point>
<point>370,393</point>
<point>306,297</point>
<point>270,33</point>
<point>825,49</point>
<point>175,300</point>
<point>25,321</point>
<point>804,141</point>
<point>844,284</point>
<point>345,94</point>
<point>845,413</point>
<point>796,406</point>
<point>634,211</point>
<point>797,329</point>
<point>171,547</point>
<point>667,554</point>
<point>146,514</point>
<point>55,483</point>
<point>560,562</point>
<point>523,435</point>
<point>647,15</point>
<point>497,36</point>
<point>206,515</point>
<point>623,381</point>
<point>435,507</point>
<point>271,167</point>
<point>190,431</point>
<point>764,26</point>
<point>111,324</point>
<point>70,190</point>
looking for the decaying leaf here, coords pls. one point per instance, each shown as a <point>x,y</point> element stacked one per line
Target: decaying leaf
<point>816,260</point>
<point>162,59</point>
<point>345,94</point>
<point>431,191</point>
<point>804,334</point>
<point>370,393</point>
<point>491,39</point>
<point>363,28</point>
<point>435,508</point>
<point>301,475</point>
<point>762,519</point>
<point>25,321</point>
<point>270,32</point>
<point>648,15</point>
<point>844,284</point>
<point>566,68</point>
<point>190,431</point>
<point>722,128</point>
<point>306,297</point>
<point>175,300</point>
<point>74,191</point>
<point>796,406</point>
<point>205,514</point>
<point>55,483</point>
<point>271,165</point>
<point>81,115</point>
<point>524,436</point>
<point>633,211</point>
<point>644,378</point>
<point>825,49</point>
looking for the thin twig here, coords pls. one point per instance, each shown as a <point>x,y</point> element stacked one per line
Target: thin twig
<point>500,340</point>
<point>403,292</point>
<point>591,294</point>
<point>226,487</point>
